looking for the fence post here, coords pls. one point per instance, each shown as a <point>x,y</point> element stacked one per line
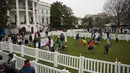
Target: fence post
<point>55,59</point>
<point>22,50</point>
<point>119,67</point>
<point>34,64</point>
<point>36,54</point>
<point>10,47</point>
<point>127,37</point>
<point>81,64</point>
<point>116,66</point>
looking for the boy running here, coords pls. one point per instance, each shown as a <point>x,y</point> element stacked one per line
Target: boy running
<point>90,46</point>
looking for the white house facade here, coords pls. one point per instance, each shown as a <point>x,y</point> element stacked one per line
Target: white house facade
<point>33,15</point>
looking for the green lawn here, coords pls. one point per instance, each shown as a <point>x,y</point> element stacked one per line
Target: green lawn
<point>120,50</point>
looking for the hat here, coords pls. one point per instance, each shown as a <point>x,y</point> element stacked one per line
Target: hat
<point>10,54</point>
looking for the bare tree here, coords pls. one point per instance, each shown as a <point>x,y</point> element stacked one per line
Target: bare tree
<point>114,8</point>
<point>126,11</point>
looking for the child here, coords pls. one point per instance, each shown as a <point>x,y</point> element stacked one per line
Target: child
<point>97,40</point>
<point>84,41</point>
<point>47,46</point>
<point>77,37</point>
<point>59,44</point>
<point>90,46</point>
<point>107,46</point>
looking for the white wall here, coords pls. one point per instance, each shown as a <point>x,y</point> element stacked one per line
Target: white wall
<point>45,14</point>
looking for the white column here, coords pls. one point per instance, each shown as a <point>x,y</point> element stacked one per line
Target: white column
<point>45,18</point>
<point>34,17</point>
<point>27,16</point>
<point>37,15</point>
<point>17,12</point>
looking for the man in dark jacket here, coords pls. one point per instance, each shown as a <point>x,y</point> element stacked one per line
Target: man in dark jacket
<point>27,68</point>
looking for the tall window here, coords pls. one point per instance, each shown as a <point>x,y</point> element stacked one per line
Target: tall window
<point>43,20</point>
<point>24,18</point>
<point>46,11</point>
<point>46,20</point>
<point>31,19</point>
<point>42,11</point>
<point>15,19</point>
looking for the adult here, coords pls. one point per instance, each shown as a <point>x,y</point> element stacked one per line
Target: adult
<point>93,35</point>
<point>49,42</point>
<point>34,42</point>
<point>39,40</point>
<point>14,39</point>
<point>30,38</point>
<point>10,64</point>
<point>27,68</point>
<point>46,33</point>
<point>62,37</point>
<point>52,45</point>
<point>26,42</point>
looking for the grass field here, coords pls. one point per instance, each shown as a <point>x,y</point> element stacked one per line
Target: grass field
<point>119,51</point>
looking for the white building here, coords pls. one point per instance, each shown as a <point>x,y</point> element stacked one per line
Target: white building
<point>33,15</point>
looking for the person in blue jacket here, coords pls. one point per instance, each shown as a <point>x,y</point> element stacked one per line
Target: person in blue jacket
<point>27,68</point>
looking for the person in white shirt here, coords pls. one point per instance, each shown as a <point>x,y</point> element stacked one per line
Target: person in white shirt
<point>52,45</point>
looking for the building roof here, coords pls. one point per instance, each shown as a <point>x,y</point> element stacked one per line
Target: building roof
<point>44,3</point>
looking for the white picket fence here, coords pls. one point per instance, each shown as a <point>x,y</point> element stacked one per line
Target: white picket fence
<point>87,34</point>
<point>81,63</point>
<point>81,32</point>
<point>39,68</point>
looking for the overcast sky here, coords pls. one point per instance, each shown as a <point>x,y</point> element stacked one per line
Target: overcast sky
<point>82,7</point>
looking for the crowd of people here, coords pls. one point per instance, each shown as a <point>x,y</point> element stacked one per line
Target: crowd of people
<point>17,38</point>
<point>96,37</point>
<point>10,66</point>
<point>58,45</point>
